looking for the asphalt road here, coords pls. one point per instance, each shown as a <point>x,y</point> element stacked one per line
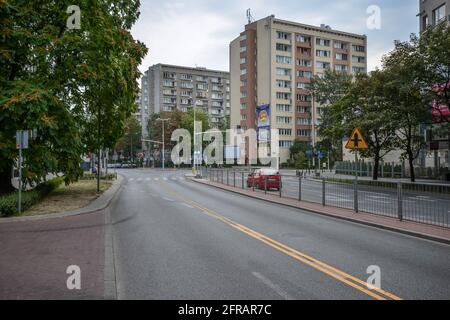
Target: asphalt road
<point>417,206</point>
<point>175,239</point>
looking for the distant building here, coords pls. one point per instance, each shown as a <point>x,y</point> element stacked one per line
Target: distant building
<point>166,88</point>
<point>271,63</point>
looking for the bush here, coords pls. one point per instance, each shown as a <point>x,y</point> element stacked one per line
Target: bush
<point>8,203</point>
<point>93,176</point>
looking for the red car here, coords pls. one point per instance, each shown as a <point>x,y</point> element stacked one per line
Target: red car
<point>259,176</point>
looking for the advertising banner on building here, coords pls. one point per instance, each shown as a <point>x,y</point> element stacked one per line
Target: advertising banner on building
<point>263,114</point>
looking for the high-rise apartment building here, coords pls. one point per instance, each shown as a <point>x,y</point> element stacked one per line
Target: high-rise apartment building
<point>272,62</point>
<point>433,12</point>
<point>165,88</point>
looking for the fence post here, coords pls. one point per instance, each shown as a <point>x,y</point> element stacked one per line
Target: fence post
<point>300,188</point>
<point>265,184</point>
<point>281,186</point>
<point>228,178</point>
<point>234,179</point>
<point>253,182</point>
<point>355,190</point>
<point>243,180</point>
<point>400,201</point>
<point>222,175</point>
<point>323,192</point>
<point>393,170</point>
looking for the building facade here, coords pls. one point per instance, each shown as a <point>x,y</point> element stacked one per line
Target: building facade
<point>166,88</point>
<point>433,12</point>
<point>272,62</point>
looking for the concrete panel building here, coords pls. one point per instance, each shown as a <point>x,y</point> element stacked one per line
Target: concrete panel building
<point>273,60</point>
<point>433,12</point>
<point>166,88</point>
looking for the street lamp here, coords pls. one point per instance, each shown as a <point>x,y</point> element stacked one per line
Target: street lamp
<point>163,142</point>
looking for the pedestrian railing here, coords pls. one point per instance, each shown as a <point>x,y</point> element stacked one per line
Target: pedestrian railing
<point>423,203</point>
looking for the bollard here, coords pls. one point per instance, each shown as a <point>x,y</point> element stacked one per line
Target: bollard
<point>400,201</point>
<point>323,192</point>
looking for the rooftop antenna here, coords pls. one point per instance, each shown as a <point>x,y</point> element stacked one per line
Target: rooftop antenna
<point>249,16</point>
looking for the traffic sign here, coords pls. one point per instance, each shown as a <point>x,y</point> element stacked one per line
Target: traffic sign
<point>356,141</point>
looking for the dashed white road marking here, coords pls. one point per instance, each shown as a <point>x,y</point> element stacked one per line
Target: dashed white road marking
<point>156,179</point>
<point>168,199</point>
<point>186,205</point>
<point>165,179</point>
<point>131,179</point>
<point>272,285</point>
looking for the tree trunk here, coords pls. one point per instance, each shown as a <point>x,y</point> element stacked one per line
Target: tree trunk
<point>376,166</point>
<point>5,182</point>
<point>411,166</point>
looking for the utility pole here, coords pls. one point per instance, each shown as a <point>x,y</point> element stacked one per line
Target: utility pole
<point>163,142</point>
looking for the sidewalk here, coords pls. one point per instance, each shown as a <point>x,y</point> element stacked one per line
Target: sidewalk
<point>36,252</point>
<point>411,228</point>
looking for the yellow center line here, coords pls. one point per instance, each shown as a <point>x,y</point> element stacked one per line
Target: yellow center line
<point>331,271</point>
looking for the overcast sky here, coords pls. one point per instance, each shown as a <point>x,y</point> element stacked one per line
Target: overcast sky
<point>198,32</point>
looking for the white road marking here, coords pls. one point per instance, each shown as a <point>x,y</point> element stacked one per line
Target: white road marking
<point>273,286</point>
<point>131,179</point>
<point>165,179</point>
<point>168,199</point>
<point>186,205</point>
<point>156,179</point>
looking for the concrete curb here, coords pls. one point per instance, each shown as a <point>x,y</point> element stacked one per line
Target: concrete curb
<point>330,215</point>
<point>99,204</point>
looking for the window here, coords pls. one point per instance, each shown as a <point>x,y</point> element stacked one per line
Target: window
<point>244,117</point>
<point>304,63</point>
<point>243,106</point>
<point>169,75</point>
<point>243,37</point>
<point>323,53</point>
<point>285,132</point>
<point>302,85</point>
<point>358,48</point>
<point>168,83</point>
<point>283,72</point>
<point>202,86</point>
<point>340,45</point>
<point>243,49</point>
<point>305,51</point>
<point>304,98</point>
<point>244,94</point>
<point>323,42</point>
<point>303,109</point>
<point>358,59</point>
<point>303,122</point>
<point>284,120</point>
<point>284,47</point>
<point>186,85</point>
<point>284,60</point>
<point>283,96</point>
<point>283,84</point>
<point>304,74</point>
<point>341,57</point>
<point>243,60</point>
<point>341,67</point>
<point>284,108</point>
<point>358,70</point>
<point>303,39</point>
<point>304,133</point>
<point>184,76</point>
<point>283,35</point>
<point>425,22</point>
<point>285,144</point>
<point>439,14</point>
<point>243,72</point>
<point>243,83</point>
<point>323,65</point>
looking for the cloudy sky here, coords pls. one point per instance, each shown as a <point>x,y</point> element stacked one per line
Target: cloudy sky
<point>198,32</point>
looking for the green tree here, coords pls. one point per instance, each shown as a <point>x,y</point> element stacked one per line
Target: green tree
<point>76,87</point>
<point>130,144</point>
<point>328,90</point>
<point>298,154</point>
<point>410,107</point>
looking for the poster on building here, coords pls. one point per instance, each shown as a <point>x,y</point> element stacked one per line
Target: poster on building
<point>264,135</point>
<point>263,114</point>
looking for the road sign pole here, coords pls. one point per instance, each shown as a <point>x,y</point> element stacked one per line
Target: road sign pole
<point>20,174</point>
<point>356,182</point>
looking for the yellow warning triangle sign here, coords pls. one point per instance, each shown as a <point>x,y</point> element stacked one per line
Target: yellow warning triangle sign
<point>356,141</point>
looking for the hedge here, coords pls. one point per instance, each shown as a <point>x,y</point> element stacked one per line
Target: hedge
<point>8,203</point>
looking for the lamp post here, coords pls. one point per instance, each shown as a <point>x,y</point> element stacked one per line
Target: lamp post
<point>163,142</point>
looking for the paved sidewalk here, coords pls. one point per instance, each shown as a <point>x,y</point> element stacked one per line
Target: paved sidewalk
<point>411,228</point>
<point>36,251</point>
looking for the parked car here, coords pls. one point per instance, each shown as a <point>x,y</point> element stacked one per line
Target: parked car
<point>259,176</point>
